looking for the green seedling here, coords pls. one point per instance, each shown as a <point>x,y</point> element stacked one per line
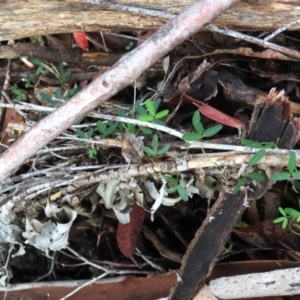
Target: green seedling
<point>129,46</point>
<point>252,175</point>
<point>292,173</point>
<point>288,217</point>
<point>63,74</point>
<point>84,135</point>
<point>155,151</point>
<point>40,65</point>
<point>72,92</point>
<point>200,132</point>
<point>107,129</point>
<point>21,95</point>
<point>92,152</point>
<point>27,82</point>
<point>151,114</point>
<point>173,186</point>
<point>261,153</point>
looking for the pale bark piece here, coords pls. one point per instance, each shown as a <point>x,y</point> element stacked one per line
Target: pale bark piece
<point>267,284</point>
<point>20,18</point>
<point>123,73</point>
<point>205,293</point>
<point>123,287</point>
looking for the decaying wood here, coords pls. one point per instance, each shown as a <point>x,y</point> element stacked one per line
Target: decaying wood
<point>20,19</point>
<point>68,55</point>
<point>208,243</point>
<point>135,288</point>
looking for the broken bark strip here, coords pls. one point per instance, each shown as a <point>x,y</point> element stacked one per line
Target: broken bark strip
<point>20,19</point>
<point>208,244</point>
<point>124,72</point>
<point>68,55</point>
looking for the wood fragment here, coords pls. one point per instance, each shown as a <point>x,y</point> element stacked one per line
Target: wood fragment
<point>208,243</point>
<point>47,17</point>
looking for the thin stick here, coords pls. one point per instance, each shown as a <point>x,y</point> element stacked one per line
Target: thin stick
<point>133,9</point>
<point>254,40</point>
<point>279,30</point>
<point>84,285</point>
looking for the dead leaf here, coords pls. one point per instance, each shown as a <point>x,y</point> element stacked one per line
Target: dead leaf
<point>132,147</point>
<point>215,114</point>
<point>128,234</point>
<point>11,117</point>
<point>266,234</point>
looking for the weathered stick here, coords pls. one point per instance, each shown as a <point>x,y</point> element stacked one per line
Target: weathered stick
<point>124,72</point>
<point>19,18</point>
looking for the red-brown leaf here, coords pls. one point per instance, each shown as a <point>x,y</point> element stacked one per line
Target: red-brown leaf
<point>128,234</point>
<point>81,40</point>
<point>214,114</point>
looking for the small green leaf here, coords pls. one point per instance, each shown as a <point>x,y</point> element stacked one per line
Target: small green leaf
<point>296,184</point>
<point>161,114</point>
<point>159,122</point>
<point>92,152</point>
<point>72,92</point>
<point>150,107</point>
<point>131,128</point>
<point>163,150</point>
<point>257,157</point>
<point>80,144</point>
<point>269,145</point>
<point>35,61</point>
<point>157,103</point>
<point>145,130</point>
<point>196,118</point>
<point>101,127</point>
<point>90,133</point>
<point>39,70</point>
<point>80,133</point>
<point>47,97</point>
<point>199,128</point>
<point>66,75</point>
<point>171,179</point>
<point>280,176</point>
<point>58,93</point>
<point>296,174</point>
<point>149,151</point>
<point>292,212</point>
<point>292,162</point>
<point>284,223</point>
<point>145,118</point>
<point>212,130</point>
<point>112,127</point>
<point>182,193</point>
<point>238,186</point>
<point>282,211</point>
<point>251,144</point>
<point>282,220</point>
<point>192,136</point>
<point>155,143</point>
<point>256,176</point>
<point>61,68</point>
<point>139,108</point>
